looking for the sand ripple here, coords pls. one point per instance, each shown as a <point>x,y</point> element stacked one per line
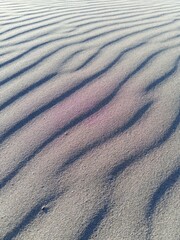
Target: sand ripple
<point>89,120</point>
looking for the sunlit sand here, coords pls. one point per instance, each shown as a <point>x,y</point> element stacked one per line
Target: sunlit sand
<point>89,120</point>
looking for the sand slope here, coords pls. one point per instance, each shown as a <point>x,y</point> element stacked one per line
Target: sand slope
<point>89,120</point>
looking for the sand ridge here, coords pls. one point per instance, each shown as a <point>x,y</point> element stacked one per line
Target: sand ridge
<point>89,120</point>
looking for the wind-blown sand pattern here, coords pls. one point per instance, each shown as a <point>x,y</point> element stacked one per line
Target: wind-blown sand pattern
<point>89,120</point>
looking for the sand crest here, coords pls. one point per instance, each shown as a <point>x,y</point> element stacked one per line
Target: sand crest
<point>89,120</point>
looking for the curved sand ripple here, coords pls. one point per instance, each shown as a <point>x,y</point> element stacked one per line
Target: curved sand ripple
<point>89,120</point>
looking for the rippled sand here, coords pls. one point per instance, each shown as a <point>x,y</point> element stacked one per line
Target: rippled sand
<point>89,120</point>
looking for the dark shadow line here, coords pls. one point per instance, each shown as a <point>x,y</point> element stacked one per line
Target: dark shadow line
<point>86,62</point>
<point>29,19</point>
<point>55,40</point>
<point>27,68</point>
<point>164,187</point>
<point>34,37</point>
<point>63,14</point>
<point>95,54</point>
<point>122,28</point>
<point>91,58</point>
<point>5,53</point>
<point>97,21</point>
<point>72,123</point>
<point>94,223</point>
<point>119,18</point>
<point>30,24</point>
<point>127,27</point>
<point>68,126</point>
<point>53,9</point>
<point>46,56</point>
<point>119,168</point>
<point>30,30</point>
<point>32,11</point>
<point>146,61</point>
<point>66,94</point>
<point>71,56</point>
<point>42,44</point>
<point>137,32</point>
<point>35,48</point>
<point>169,131</point>
<point>30,216</point>
<point>27,90</point>
<point>23,54</point>
<point>46,25</point>
<point>3,24</point>
<point>173,37</point>
<point>133,120</point>
<point>161,79</point>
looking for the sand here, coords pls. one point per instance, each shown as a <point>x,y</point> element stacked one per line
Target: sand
<point>89,120</point>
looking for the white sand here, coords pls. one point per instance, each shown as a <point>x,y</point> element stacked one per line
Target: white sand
<point>89,120</point>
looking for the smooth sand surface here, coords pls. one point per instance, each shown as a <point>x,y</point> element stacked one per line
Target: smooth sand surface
<point>89,120</point>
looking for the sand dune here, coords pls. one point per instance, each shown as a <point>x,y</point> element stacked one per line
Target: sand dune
<point>89,120</point>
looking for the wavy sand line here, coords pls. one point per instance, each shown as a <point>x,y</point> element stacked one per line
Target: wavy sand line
<point>89,120</point>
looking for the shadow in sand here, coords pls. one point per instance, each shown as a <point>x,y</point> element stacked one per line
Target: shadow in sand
<point>117,170</point>
<point>27,90</point>
<point>93,223</point>
<point>31,215</point>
